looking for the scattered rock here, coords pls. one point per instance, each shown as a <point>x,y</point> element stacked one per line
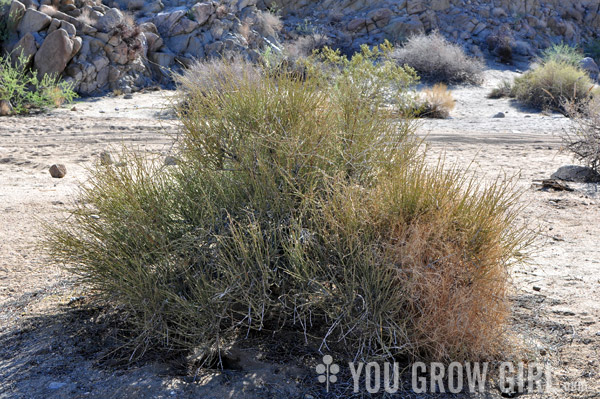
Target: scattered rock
<point>6,108</point>
<point>109,20</point>
<point>577,174</point>
<point>499,115</point>
<point>555,185</point>
<point>170,160</point>
<point>538,289</point>
<point>589,65</point>
<point>56,385</point>
<point>105,158</point>
<point>58,171</point>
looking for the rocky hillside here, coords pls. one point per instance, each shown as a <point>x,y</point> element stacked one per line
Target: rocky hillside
<point>128,44</point>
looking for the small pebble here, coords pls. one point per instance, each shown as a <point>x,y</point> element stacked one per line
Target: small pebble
<point>536,288</point>
<point>56,385</point>
<point>58,171</point>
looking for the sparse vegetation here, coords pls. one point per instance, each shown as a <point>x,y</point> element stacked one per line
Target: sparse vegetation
<point>563,54</point>
<point>504,89</point>
<point>208,76</point>
<point>304,205</point>
<point>549,84</point>
<point>437,60</point>
<point>25,91</point>
<point>436,102</point>
<point>501,43</point>
<point>268,24</point>
<point>584,140</point>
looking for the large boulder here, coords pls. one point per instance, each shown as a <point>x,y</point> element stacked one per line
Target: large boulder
<point>33,21</point>
<point>54,54</point>
<point>202,12</point>
<point>109,20</point>
<point>577,174</point>
<point>25,49</point>
<point>589,65</point>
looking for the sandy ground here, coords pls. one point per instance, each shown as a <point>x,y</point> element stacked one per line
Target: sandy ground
<point>49,346</point>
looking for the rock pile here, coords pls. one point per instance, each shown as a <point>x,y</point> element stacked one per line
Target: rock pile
<point>101,48</point>
<point>129,44</point>
<point>522,27</point>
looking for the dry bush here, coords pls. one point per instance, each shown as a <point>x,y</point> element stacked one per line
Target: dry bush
<point>550,84</point>
<point>437,60</point>
<point>86,17</point>
<point>436,102</point>
<point>584,140</point>
<point>504,89</point>
<point>304,46</point>
<point>268,24</point>
<point>208,75</point>
<point>501,43</point>
<point>303,206</point>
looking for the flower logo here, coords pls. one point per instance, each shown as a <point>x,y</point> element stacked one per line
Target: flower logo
<point>327,371</point>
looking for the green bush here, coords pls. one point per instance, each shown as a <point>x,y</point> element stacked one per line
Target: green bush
<point>562,53</point>
<point>302,205</point>
<point>552,83</point>
<point>26,91</point>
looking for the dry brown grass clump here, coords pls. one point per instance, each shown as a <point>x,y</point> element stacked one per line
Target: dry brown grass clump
<point>303,206</point>
<point>437,60</point>
<point>436,102</point>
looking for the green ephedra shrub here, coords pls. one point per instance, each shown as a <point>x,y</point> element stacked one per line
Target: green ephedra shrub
<point>25,90</point>
<point>304,205</point>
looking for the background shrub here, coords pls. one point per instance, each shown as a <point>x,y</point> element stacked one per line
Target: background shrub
<point>208,75</point>
<point>563,53</point>
<point>304,205</point>
<point>501,43</point>
<point>549,84</point>
<point>25,91</point>
<point>584,140</point>
<point>437,60</point>
<point>504,89</point>
<point>436,102</point>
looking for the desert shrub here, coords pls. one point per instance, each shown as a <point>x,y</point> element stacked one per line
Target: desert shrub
<point>583,141</point>
<point>209,75</point>
<point>267,23</point>
<point>504,89</point>
<point>501,43</point>
<point>304,46</point>
<point>26,91</point>
<point>131,35</point>
<point>549,84</point>
<point>436,102</point>
<point>562,53</point>
<point>437,60</point>
<point>298,206</point>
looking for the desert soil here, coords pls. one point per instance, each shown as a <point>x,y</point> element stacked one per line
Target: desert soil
<point>52,347</point>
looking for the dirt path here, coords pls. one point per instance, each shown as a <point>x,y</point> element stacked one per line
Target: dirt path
<point>48,347</point>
